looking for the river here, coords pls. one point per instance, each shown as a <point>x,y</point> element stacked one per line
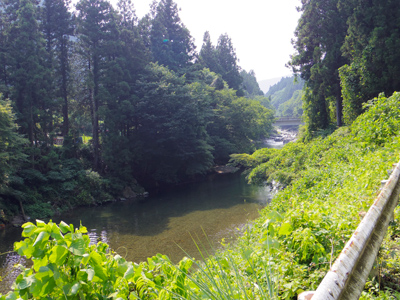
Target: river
<point>166,223</point>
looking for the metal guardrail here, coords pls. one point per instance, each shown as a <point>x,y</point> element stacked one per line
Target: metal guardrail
<point>347,276</point>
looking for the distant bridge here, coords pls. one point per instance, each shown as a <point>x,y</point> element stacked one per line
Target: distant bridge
<point>288,121</point>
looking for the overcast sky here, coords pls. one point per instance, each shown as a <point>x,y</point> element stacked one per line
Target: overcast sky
<point>261,30</point>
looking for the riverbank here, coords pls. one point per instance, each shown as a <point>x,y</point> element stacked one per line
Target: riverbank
<point>217,205</point>
<point>133,193</point>
<point>288,250</point>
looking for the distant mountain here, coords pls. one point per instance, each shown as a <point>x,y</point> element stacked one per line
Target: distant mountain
<point>286,96</point>
<point>267,83</point>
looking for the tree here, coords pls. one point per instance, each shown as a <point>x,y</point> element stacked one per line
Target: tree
<point>227,61</point>
<point>208,54</point>
<point>250,84</point>
<point>125,67</point>
<point>319,36</point>
<point>171,42</point>
<point>222,60</point>
<point>28,74</point>
<point>169,135</point>
<point>5,25</point>
<point>57,26</point>
<point>371,46</point>
<point>95,29</point>
<point>12,155</point>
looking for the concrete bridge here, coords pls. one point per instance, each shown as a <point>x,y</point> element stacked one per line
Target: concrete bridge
<point>288,121</point>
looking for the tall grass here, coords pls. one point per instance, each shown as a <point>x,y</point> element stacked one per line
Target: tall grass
<point>230,274</point>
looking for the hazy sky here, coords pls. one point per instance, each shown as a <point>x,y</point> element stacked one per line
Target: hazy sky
<point>261,30</point>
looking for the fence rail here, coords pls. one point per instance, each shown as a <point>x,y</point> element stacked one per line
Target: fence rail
<point>347,276</point>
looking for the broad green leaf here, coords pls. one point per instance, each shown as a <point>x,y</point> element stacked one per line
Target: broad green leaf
<point>58,255</point>
<point>100,272</point>
<point>285,229</point>
<point>129,273</point>
<point>64,227</point>
<point>49,286</point>
<point>83,229</point>
<point>29,228</point>
<point>43,272</point>
<point>40,223</point>
<point>39,263</point>
<point>25,282</point>
<point>11,296</point>
<point>23,249</point>
<point>78,247</point>
<point>85,259</point>
<point>42,237</point>
<point>95,258</point>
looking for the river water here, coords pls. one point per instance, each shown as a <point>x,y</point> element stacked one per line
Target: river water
<point>206,211</point>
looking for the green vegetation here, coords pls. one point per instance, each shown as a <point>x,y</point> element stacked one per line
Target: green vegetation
<point>158,113</point>
<point>134,103</point>
<point>286,97</point>
<point>346,53</point>
<point>329,183</point>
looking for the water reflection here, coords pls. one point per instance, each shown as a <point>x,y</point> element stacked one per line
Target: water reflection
<point>167,223</point>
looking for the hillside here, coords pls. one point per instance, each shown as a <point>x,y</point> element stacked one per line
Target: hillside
<point>286,96</point>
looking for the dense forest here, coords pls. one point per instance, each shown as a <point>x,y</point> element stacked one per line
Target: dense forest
<point>346,51</point>
<point>285,97</point>
<point>96,103</point>
<point>160,117</point>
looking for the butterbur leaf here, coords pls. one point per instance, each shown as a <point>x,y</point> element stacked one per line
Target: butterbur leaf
<point>10,296</point>
<point>28,229</point>
<point>39,263</point>
<point>49,286</point>
<point>64,227</point>
<point>25,283</point>
<point>83,229</point>
<point>99,272</point>
<point>66,288</point>
<point>78,247</point>
<point>58,255</point>
<point>95,259</point>
<point>285,229</point>
<point>129,273</point>
<point>23,249</point>
<point>85,259</point>
<point>41,238</point>
<point>40,223</point>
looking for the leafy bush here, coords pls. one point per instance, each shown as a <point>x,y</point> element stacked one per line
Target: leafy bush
<point>330,181</point>
<point>66,265</point>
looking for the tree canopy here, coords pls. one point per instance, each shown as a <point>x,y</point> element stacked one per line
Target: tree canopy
<point>345,52</point>
<point>108,101</point>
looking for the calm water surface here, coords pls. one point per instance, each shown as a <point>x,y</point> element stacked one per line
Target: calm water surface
<point>164,223</point>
